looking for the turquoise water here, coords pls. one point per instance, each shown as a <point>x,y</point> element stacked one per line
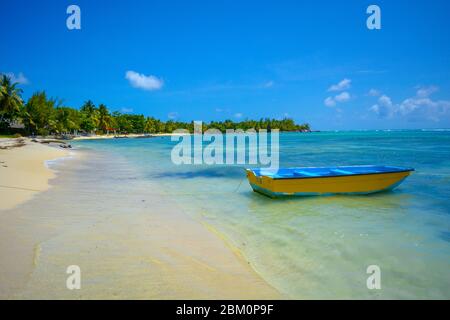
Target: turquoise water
<point>320,247</point>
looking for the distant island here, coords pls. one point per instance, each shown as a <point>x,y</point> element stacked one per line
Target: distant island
<point>45,116</point>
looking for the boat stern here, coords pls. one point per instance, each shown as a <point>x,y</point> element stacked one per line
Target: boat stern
<point>261,184</point>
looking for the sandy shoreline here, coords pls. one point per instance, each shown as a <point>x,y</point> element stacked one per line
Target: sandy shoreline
<point>148,251</point>
<point>23,172</point>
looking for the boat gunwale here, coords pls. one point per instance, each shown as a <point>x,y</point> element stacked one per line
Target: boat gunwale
<point>332,176</point>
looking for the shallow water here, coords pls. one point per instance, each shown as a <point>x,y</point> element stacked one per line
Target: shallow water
<point>317,247</point>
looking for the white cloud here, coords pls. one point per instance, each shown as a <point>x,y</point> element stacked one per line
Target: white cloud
<point>385,101</point>
<point>374,93</point>
<point>126,110</point>
<point>20,78</point>
<point>420,107</point>
<point>172,115</point>
<point>339,98</point>
<point>343,85</point>
<point>375,108</point>
<point>329,102</point>
<point>424,108</point>
<point>342,97</point>
<point>426,91</point>
<point>238,115</point>
<point>269,84</point>
<point>141,81</point>
<point>384,108</point>
<point>222,110</point>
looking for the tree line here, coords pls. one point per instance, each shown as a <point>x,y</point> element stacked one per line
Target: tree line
<point>42,115</point>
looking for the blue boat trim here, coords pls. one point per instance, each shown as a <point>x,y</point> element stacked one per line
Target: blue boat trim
<point>331,172</point>
<point>342,171</point>
<point>309,174</point>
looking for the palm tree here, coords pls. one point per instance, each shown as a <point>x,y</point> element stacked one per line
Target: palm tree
<point>39,114</point>
<point>90,118</point>
<point>104,118</point>
<point>10,99</point>
<point>2,92</point>
<point>149,126</point>
<point>88,107</point>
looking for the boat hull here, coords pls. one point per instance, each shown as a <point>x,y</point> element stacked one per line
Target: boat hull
<point>352,184</point>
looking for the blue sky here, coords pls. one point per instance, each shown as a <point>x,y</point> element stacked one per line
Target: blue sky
<point>314,61</point>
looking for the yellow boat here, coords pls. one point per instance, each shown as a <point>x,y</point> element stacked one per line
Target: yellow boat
<point>326,181</point>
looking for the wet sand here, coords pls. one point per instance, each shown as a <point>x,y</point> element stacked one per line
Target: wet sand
<point>130,243</point>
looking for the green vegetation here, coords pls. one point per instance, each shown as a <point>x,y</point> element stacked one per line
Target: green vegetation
<point>42,115</point>
<point>10,101</point>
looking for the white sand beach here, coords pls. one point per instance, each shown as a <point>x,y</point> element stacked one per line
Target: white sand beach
<point>22,170</point>
<point>130,135</point>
